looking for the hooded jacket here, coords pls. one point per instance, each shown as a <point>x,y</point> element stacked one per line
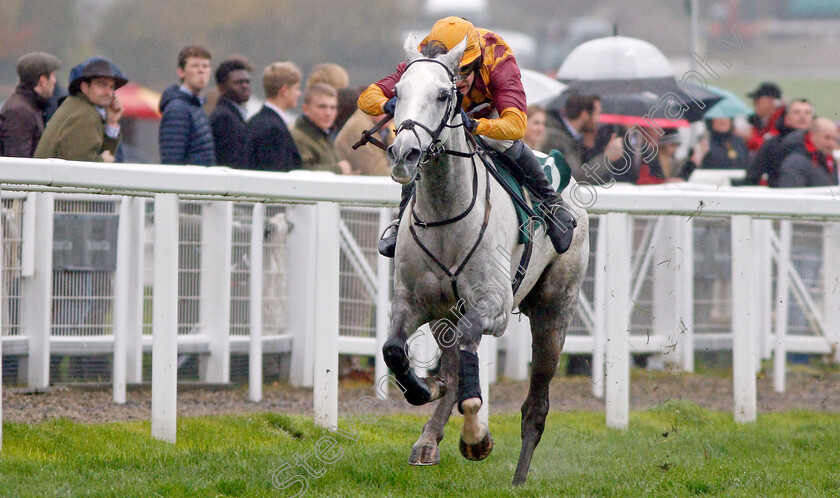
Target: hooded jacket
<point>804,166</point>
<point>185,136</point>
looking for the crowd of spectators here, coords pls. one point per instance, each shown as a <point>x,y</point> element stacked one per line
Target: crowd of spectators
<point>86,124</point>
<point>781,144</point>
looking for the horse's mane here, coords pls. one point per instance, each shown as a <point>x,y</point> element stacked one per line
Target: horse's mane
<point>433,49</point>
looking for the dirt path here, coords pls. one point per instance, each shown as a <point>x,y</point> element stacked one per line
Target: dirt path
<point>807,391</point>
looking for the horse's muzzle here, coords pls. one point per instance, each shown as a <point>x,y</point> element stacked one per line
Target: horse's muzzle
<point>404,162</point>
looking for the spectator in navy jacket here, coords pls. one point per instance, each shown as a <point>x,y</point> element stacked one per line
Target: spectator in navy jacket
<point>230,133</point>
<point>185,135</point>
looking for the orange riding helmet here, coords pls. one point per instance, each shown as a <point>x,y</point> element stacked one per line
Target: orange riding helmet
<point>450,31</point>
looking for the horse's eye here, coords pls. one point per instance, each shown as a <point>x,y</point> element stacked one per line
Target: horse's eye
<point>443,95</point>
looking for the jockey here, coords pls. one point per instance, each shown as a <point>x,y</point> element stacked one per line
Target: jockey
<point>488,74</point>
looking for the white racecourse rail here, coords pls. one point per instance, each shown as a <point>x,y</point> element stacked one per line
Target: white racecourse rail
<point>606,314</point>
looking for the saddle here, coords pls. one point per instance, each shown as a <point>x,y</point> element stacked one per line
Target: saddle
<point>510,177</point>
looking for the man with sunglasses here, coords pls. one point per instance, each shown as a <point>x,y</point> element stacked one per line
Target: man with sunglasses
<point>488,74</point>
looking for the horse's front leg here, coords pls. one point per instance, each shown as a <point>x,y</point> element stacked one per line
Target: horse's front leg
<point>488,313</point>
<point>426,451</point>
<point>405,322</point>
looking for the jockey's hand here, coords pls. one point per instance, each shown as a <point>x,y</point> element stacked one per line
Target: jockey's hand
<point>469,123</point>
<point>390,106</point>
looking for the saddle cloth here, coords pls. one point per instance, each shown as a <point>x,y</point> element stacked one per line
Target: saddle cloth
<point>556,169</point>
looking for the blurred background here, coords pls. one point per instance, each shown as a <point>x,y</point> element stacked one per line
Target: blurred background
<point>792,42</point>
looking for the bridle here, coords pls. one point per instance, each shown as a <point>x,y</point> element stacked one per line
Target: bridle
<point>436,148</point>
<point>433,152</point>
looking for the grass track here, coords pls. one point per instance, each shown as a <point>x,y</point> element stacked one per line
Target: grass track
<point>677,449</point>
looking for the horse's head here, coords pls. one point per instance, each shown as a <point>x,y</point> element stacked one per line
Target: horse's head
<point>426,101</point>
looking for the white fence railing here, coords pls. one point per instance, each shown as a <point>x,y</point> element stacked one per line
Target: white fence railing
<point>648,255</point>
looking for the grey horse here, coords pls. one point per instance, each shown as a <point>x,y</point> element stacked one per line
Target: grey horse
<point>457,252</point>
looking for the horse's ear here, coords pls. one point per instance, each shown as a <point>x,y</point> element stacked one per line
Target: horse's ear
<point>452,59</point>
<point>410,48</point>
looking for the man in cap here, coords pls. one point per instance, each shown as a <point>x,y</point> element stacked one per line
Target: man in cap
<point>22,116</point>
<point>769,108</point>
<point>488,74</point>
<point>86,126</point>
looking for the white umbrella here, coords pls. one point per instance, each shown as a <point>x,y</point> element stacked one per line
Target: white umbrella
<point>539,88</point>
<point>615,58</point>
<point>632,77</point>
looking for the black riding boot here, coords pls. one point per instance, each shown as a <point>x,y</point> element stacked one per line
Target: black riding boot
<point>560,223</point>
<point>388,243</point>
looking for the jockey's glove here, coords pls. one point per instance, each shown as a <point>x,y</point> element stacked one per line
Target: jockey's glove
<point>390,106</point>
<point>469,123</point>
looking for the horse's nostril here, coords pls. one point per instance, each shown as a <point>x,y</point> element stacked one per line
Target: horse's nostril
<point>413,156</point>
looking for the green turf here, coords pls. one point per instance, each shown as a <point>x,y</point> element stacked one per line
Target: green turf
<point>677,449</point>
<point>822,92</point>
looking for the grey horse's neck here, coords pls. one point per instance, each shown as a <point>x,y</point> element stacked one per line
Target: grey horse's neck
<point>445,186</point>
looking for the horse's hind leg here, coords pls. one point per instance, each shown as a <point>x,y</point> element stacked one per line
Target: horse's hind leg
<point>546,347</point>
<point>550,307</point>
<point>425,451</point>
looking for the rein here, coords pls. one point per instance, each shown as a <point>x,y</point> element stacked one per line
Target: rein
<point>453,274</point>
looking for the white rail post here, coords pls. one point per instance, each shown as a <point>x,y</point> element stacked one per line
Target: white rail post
<point>782,304</point>
<point>255,296</point>
<point>165,321</point>
<point>37,288</point>
<point>136,295</point>
<point>301,245</point>
<point>214,306</point>
<point>764,281</point>
<point>831,286</point>
<point>617,320</point>
<point>2,286</point>
<point>744,346</point>
<point>122,283</point>
<point>383,308</point>
<point>599,335</point>
<point>517,348</point>
<point>686,299</point>
<point>666,303</point>
<point>418,351</point>
<point>327,254</point>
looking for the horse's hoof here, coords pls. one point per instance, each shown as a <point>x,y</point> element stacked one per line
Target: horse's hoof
<point>437,387</point>
<point>427,454</point>
<point>477,451</point>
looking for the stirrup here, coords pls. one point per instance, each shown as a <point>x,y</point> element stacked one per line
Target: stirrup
<point>394,224</point>
<point>388,243</point>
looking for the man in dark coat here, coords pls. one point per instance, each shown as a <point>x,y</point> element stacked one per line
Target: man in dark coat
<point>22,116</point>
<point>230,132</point>
<point>768,160</point>
<point>769,107</point>
<point>810,160</point>
<point>270,144</point>
<point>185,136</point>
